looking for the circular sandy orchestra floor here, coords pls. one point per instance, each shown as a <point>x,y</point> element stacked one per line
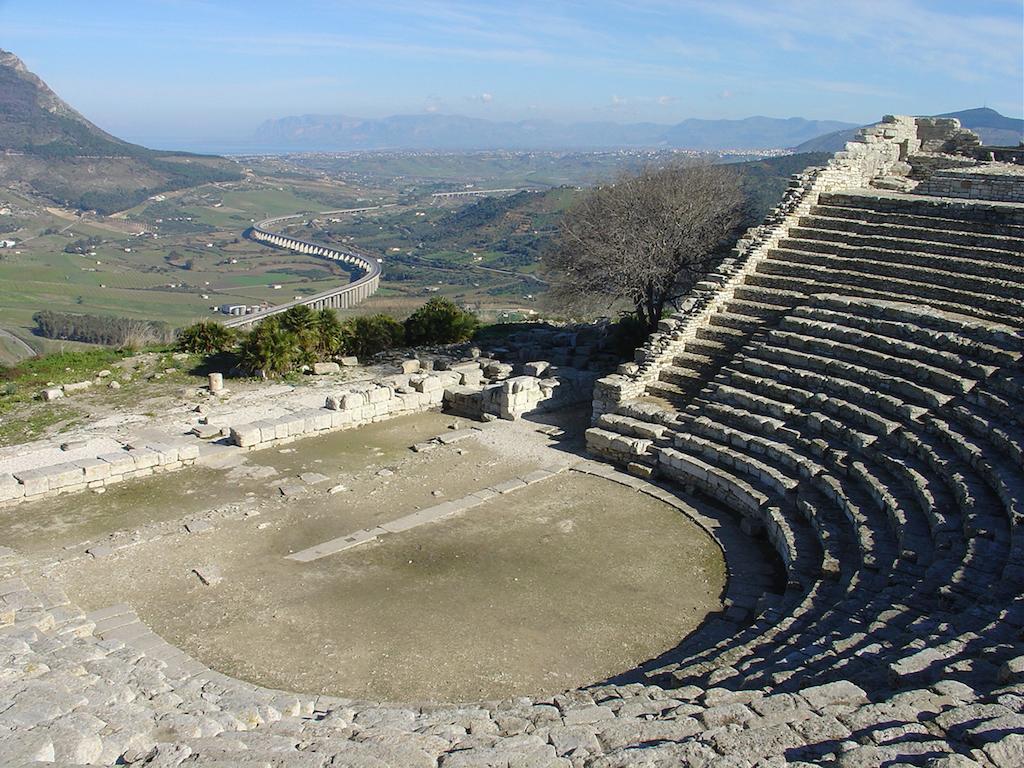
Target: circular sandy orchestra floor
<point>559,584</point>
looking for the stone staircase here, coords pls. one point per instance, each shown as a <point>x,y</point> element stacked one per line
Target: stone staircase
<point>958,258</point>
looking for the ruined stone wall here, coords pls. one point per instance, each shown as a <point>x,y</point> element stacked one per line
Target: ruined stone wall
<point>139,459</point>
<point>467,389</point>
<point>352,406</point>
<point>1001,182</point>
<point>517,396</point>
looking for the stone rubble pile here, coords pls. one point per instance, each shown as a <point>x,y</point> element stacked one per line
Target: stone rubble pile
<point>583,347</point>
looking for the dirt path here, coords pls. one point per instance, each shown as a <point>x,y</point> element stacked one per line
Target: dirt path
<point>21,350</point>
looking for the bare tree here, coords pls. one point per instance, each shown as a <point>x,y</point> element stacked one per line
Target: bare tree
<point>647,238</point>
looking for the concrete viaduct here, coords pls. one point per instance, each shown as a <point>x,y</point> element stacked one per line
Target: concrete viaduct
<point>342,297</point>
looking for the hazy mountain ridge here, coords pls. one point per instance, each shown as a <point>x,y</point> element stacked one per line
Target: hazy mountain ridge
<point>456,132</point>
<point>49,149</point>
<point>994,129</point>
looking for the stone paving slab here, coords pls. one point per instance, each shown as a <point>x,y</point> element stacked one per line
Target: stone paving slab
<point>339,544</point>
<point>423,516</point>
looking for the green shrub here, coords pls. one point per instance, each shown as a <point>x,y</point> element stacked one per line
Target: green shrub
<point>308,326</point>
<point>206,337</point>
<point>367,335</point>
<point>440,321</point>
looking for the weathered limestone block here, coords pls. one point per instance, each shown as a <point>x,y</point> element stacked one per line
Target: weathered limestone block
<point>77,386</point>
<point>296,424</point>
<point>206,431</point>
<point>265,430</point>
<point>410,366</point>
<point>121,462</point>
<point>10,488</point>
<point>145,458</point>
<point>51,394</point>
<point>166,454</point>
<point>216,382</point>
<point>321,420</point>
<point>246,435</point>
<point>1011,672</point>
<point>349,362</point>
<point>396,381</point>
<point>63,475</point>
<point>448,378</point>
<point>380,395</point>
<point>322,369</point>
<point>34,481</point>
<point>839,692</point>
<point>309,423</point>
<point>427,384</point>
<point>498,370</point>
<point>352,401</point>
<point>536,368</point>
<point>94,469</point>
<point>340,419</point>
<point>188,452</point>
<point>519,384</point>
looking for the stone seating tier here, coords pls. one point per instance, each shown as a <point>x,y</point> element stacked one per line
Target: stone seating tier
<point>857,446</point>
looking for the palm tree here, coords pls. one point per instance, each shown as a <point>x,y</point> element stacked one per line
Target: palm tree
<point>298,319</point>
<point>328,333</point>
<point>301,322</point>
<point>269,350</point>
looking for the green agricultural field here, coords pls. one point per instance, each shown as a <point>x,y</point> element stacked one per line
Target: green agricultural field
<point>154,267</point>
<point>178,256</point>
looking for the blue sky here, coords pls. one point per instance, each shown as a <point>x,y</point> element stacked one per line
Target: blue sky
<point>191,70</point>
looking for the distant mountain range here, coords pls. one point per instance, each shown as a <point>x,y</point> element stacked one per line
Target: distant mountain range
<point>49,149</point>
<point>994,129</point>
<point>454,132</point>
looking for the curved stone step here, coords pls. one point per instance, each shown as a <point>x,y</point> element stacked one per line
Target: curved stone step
<point>934,223</point>
<point>917,230</point>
